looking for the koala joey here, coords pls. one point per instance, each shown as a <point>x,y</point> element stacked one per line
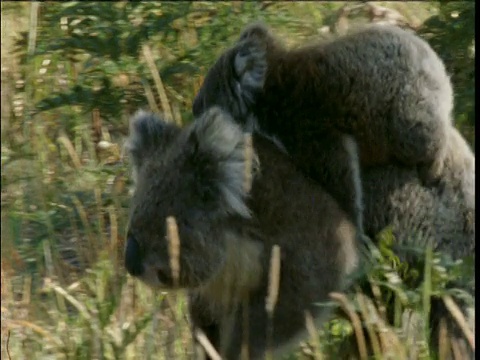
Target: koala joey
<point>383,85</point>
<point>227,229</point>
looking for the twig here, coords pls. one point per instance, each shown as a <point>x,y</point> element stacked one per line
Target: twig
<point>32,34</point>
<point>149,95</point>
<point>374,341</point>
<point>310,325</point>
<point>7,345</point>
<point>147,53</point>
<point>173,248</point>
<point>207,345</point>
<point>248,163</point>
<point>356,323</point>
<point>272,297</point>
<point>65,141</point>
<point>460,319</point>
<point>443,342</point>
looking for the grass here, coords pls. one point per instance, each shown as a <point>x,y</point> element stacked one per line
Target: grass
<point>80,304</point>
<point>65,294</point>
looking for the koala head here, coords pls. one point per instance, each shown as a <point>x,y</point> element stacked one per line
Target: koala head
<point>196,175</point>
<point>236,79</point>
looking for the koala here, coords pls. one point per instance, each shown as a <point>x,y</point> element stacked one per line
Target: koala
<point>383,85</point>
<point>387,88</point>
<point>227,229</point>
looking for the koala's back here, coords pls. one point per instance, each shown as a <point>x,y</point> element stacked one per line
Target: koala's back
<point>318,252</point>
<point>365,72</point>
<point>297,213</point>
<point>384,85</point>
<point>382,62</point>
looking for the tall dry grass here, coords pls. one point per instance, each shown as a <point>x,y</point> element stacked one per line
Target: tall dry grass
<point>64,292</point>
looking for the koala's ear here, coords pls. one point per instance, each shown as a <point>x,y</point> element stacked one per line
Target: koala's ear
<point>228,147</point>
<point>148,133</point>
<point>250,61</point>
<point>258,30</point>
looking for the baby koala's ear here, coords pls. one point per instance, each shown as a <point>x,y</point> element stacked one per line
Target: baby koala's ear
<point>222,141</point>
<point>148,133</point>
<point>256,30</point>
<point>250,61</point>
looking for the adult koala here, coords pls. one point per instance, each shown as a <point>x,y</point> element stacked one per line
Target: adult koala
<point>227,229</point>
<point>387,88</point>
<point>383,85</point>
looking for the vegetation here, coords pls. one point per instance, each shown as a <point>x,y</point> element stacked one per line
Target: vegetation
<point>72,73</point>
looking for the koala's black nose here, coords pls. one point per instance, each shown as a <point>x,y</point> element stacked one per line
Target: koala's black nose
<point>133,257</point>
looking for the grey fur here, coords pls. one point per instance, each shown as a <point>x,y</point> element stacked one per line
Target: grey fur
<point>383,85</point>
<point>387,88</point>
<point>227,145</point>
<point>224,254</point>
<point>442,215</point>
<point>351,148</point>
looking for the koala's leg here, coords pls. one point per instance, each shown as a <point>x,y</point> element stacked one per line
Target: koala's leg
<point>231,345</point>
<point>201,318</point>
<point>438,313</point>
<point>225,330</point>
<point>332,160</point>
<point>211,332</point>
<point>418,137</point>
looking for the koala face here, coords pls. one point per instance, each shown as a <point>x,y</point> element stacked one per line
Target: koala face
<point>236,79</point>
<point>195,175</point>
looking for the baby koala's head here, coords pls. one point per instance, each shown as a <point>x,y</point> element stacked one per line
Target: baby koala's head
<point>196,176</point>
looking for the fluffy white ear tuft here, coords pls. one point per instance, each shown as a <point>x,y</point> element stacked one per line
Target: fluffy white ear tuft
<point>222,139</point>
